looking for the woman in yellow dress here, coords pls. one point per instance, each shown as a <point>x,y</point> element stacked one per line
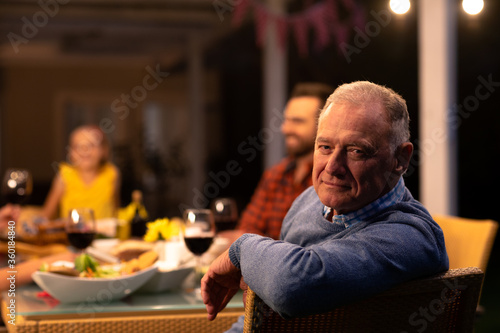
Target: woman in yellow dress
<point>89,180</point>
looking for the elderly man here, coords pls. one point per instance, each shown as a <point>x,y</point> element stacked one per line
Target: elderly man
<point>359,231</point>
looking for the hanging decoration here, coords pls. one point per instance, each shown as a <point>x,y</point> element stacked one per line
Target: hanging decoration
<point>322,17</point>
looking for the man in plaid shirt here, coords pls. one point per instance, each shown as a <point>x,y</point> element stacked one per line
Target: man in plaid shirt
<point>282,183</point>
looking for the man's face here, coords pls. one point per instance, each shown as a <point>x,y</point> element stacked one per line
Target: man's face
<point>299,125</point>
<point>352,157</point>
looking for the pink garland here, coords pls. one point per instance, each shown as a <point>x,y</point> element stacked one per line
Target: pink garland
<point>322,17</point>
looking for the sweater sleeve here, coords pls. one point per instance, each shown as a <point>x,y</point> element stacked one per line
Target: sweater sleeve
<point>296,280</point>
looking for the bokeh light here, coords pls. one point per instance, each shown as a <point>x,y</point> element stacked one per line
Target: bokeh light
<point>472,7</point>
<point>400,6</point>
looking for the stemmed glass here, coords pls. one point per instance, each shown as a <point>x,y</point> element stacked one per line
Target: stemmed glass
<point>81,228</point>
<point>198,233</point>
<point>225,213</point>
<point>17,185</point>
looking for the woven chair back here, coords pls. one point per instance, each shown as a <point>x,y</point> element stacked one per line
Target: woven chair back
<point>442,303</point>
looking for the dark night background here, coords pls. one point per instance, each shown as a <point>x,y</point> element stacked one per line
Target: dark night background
<point>389,58</point>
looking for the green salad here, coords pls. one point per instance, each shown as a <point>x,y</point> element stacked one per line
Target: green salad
<point>85,266</point>
<point>89,267</point>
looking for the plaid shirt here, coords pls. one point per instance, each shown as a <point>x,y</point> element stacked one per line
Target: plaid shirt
<point>392,197</point>
<point>272,198</point>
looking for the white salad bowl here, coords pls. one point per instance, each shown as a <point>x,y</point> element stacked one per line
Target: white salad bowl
<point>69,289</point>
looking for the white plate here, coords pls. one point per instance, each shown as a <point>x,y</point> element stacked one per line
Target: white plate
<point>166,278</point>
<point>101,249</point>
<point>105,244</point>
<point>106,227</point>
<point>68,289</point>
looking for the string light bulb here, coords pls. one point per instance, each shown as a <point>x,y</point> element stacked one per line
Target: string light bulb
<point>473,7</point>
<point>399,6</point>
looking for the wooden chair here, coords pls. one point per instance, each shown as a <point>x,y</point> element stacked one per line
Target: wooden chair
<point>468,241</point>
<point>442,303</point>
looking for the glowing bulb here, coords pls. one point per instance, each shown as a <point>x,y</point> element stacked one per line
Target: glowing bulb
<point>400,6</point>
<point>473,7</point>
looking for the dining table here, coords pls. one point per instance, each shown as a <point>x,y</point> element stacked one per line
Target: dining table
<point>169,311</point>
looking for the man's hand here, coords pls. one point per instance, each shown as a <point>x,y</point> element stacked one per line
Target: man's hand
<point>220,284</point>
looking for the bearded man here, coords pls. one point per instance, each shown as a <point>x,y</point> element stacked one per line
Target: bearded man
<point>283,182</point>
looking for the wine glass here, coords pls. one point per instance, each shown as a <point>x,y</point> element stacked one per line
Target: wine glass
<point>17,186</point>
<point>80,228</point>
<point>198,233</point>
<point>225,213</point>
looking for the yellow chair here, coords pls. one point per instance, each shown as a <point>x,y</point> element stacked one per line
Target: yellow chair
<point>468,241</point>
<point>442,303</point>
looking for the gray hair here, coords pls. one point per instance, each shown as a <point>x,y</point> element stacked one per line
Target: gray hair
<point>366,93</point>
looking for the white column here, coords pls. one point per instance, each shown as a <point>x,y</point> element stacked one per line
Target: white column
<point>274,91</point>
<point>437,87</point>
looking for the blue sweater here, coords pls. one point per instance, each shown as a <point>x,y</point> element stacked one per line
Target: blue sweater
<point>319,265</point>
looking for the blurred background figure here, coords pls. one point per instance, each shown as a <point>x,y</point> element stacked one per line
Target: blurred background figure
<point>282,183</point>
<point>8,213</point>
<point>89,180</point>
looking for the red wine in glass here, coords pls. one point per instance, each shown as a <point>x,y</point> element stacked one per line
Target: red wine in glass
<point>225,213</point>
<point>81,240</point>
<point>17,186</point>
<point>15,198</point>
<point>80,228</point>
<point>224,224</point>
<point>198,234</point>
<point>198,245</point>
